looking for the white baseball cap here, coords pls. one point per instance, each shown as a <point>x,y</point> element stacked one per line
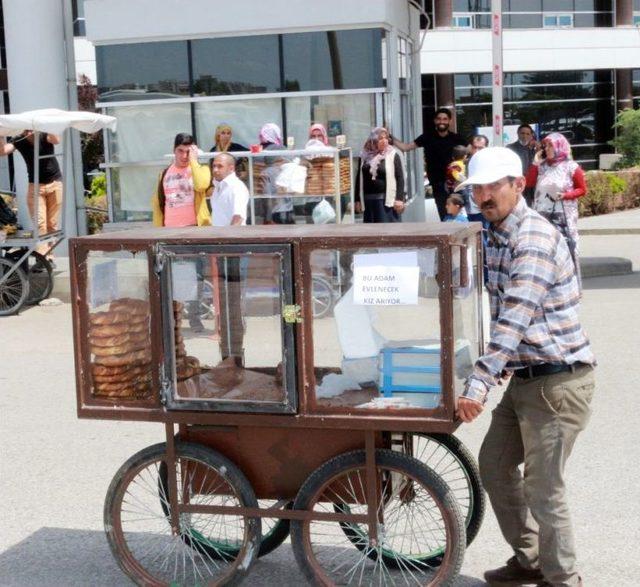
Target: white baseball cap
<point>492,164</point>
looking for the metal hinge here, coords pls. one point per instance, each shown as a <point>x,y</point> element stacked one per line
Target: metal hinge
<point>165,385</point>
<point>291,313</point>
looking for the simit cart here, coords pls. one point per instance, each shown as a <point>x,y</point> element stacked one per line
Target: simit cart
<point>334,429</point>
<point>25,274</point>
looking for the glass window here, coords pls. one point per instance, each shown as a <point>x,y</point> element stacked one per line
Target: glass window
<point>636,20</point>
<point>228,344</point>
<point>472,5</point>
<point>140,71</point>
<point>557,5</point>
<point>119,330</point>
<point>352,115</point>
<point>236,65</point>
<point>522,21</point>
<point>521,5</point>
<point>246,117</point>
<point>146,132</point>
<point>378,346</point>
<point>332,60</point>
<point>462,21</point>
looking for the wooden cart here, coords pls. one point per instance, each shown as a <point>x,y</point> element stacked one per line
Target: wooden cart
<point>335,429</point>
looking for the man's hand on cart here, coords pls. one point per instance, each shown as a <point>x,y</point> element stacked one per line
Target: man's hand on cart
<point>468,409</point>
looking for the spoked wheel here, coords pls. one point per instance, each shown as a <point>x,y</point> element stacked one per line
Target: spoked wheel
<point>418,518</point>
<point>322,295</point>
<point>453,462</point>
<point>14,289</point>
<point>275,530</point>
<point>139,530</point>
<point>39,274</point>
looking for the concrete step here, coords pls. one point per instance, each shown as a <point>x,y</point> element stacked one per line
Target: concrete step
<point>604,266</point>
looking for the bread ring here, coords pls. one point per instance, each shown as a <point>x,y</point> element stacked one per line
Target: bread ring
<point>134,391</point>
<point>122,384</point>
<point>124,359</point>
<point>130,305</point>
<point>106,370</point>
<point>193,362</point>
<point>107,351</point>
<point>133,373</point>
<point>119,329</point>
<point>133,338</point>
<point>107,317</point>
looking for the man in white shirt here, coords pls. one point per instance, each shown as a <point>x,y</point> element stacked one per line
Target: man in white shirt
<point>230,196</point>
<point>229,208</point>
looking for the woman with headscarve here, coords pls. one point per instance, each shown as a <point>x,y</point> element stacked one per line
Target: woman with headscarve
<point>559,182</point>
<point>380,181</point>
<point>223,143</point>
<point>317,132</point>
<point>278,209</point>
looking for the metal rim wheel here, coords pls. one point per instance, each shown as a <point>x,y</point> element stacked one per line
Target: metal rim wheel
<point>447,456</point>
<point>14,290</point>
<point>139,530</point>
<point>418,517</point>
<point>40,275</point>
<point>322,296</point>
<point>275,530</point>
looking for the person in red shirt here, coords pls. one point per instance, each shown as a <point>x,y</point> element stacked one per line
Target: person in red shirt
<point>558,181</point>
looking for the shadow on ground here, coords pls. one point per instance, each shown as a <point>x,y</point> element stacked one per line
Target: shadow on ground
<point>60,557</point>
<point>629,281</point>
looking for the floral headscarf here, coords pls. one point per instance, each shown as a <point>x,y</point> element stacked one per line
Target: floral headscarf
<point>370,154</point>
<point>271,134</point>
<point>322,129</point>
<point>216,139</point>
<point>561,147</point>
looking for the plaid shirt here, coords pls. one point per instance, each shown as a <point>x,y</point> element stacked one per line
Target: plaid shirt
<point>534,298</point>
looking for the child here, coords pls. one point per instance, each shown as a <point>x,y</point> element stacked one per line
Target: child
<point>455,209</point>
<point>457,168</point>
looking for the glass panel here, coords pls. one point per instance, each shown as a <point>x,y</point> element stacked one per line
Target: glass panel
<point>147,132</point>
<point>139,71</point>
<point>246,117</point>
<point>472,5</point>
<point>131,189</point>
<point>377,340</point>
<point>119,336</point>
<point>352,115</point>
<point>461,22</point>
<point>332,60</point>
<point>240,65</point>
<point>522,21</point>
<point>521,5</point>
<point>550,21</point>
<point>557,5</point>
<point>565,20</point>
<point>593,20</point>
<point>466,316</point>
<point>228,328</point>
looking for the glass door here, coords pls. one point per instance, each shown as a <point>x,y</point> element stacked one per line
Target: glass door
<point>227,344</point>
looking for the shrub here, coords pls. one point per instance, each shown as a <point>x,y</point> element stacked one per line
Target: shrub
<point>610,190</point>
<point>627,141</point>
<point>96,203</point>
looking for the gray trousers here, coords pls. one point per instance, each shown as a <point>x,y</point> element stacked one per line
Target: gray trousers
<point>536,423</point>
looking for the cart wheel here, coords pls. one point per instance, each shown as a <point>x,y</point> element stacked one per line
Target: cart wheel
<point>139,531</point>
<point>322,294</point>
<point>39,273</point>
<point>418,519</point>
<point>447,456</point>
<point>14,290</point>
<point>275,531</point>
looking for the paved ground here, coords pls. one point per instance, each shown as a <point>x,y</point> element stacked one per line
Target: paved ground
<point>55,469</point>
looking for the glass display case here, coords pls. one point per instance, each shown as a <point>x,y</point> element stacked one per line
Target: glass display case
<point>351,321</point>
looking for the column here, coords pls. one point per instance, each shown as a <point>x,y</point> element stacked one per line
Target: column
<point>445,94</point>
<point>624,12</point>
<point>624,89</point>
<point>443,11</point>
<point>37,76</point>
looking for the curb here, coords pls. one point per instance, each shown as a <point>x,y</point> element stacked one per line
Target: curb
<point>604,266</point>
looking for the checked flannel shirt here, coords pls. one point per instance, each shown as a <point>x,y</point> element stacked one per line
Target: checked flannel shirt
<point>534,299</point>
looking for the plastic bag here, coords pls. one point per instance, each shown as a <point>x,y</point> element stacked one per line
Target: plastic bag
<point>323,213</point>
<point>292,177</point>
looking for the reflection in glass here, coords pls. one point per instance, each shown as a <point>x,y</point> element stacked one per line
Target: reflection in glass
<point>118,325</point>
<point>228,328</point>
<point>379,346</point>
<point>235,65</point>
<point>139,71</point>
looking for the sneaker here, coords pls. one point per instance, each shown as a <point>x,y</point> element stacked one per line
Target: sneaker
<point>513,574</point>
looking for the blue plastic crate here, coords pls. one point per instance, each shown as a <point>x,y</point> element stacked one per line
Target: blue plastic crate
<point>410,370</point>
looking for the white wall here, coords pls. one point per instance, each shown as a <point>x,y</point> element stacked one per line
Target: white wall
<point>121,21</point>
<point>461,51</point>
<point>85,58</point>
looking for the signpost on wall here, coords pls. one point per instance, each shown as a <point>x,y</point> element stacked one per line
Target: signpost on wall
<point>497,74</point>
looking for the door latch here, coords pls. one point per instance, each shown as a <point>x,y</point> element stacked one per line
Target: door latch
<point>291,313</point>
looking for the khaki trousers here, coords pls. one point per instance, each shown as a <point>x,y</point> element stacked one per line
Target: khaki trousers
<point>49,206</point>
<point>536,423</point>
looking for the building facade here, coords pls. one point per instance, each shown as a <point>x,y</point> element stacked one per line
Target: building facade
<point>569,65</point>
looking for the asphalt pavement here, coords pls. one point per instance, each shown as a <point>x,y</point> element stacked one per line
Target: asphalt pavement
<point>55,469</point>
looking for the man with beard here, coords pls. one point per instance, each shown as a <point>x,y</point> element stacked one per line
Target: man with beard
<point>537,341</point>
<point>437,146</point>
<point>525,148</point>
